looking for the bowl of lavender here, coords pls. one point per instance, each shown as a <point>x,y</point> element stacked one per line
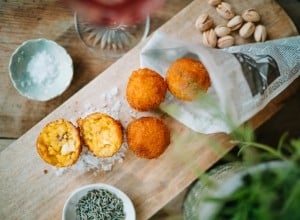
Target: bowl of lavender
<point>98,201</point>
<point>41,69</point>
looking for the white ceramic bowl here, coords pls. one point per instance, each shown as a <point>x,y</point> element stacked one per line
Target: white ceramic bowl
<point>69,210</point>
<point>40,69</point>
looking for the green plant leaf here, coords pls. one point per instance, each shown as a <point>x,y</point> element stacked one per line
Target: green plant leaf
<point>282,141</point>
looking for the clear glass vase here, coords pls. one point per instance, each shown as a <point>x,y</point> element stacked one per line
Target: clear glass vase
<point>113,40</point>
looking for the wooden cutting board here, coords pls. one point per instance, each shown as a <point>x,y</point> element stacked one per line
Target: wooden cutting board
<point>27,192</point>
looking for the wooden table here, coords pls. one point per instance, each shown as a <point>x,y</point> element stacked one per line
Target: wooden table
<point>25,190</point>
<point>27,19</point>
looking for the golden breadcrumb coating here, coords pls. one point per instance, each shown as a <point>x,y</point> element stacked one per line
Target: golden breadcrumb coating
<point>101,134</point>
<point>146,89</point>
<point>59,143</point>
<point>148,137</point>
<point>186,77</point>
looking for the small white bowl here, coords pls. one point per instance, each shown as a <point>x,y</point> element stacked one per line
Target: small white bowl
<point>40,69</point>
<point>69,210</point>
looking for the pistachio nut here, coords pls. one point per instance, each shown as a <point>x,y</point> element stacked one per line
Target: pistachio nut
<point>214,2</point>
<point>251,15</point>
<point>222,30</point>
<point>225,41</point>
<point>225,10</point>
<point>235,23</point>
<point>209,38</point>
<point>247,30</point>
<point>260,33</point>
<point>204,22</point>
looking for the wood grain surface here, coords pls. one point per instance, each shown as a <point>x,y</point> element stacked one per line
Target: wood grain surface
<point>26,192</point>
<point>27,19</point>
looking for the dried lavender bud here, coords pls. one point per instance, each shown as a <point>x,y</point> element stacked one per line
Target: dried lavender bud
<point>100,204</point>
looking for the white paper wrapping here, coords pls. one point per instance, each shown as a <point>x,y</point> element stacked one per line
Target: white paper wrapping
<point>244,79</point>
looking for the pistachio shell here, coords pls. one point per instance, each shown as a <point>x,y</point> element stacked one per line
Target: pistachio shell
<point>260,33</point>
<point>214,2</point>
<point>225,41</point>
<point>247,30</point>
<point>204,22</point>
<point>235,23</point>
<point>222,30</point>
<point>251,15</point>
<point>209,38</point>
<point>225,10</point>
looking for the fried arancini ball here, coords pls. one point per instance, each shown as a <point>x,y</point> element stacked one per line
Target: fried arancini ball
<point>101,134</point>
<point>148,137</point>
<point>146,89</point>
<point>59,143</point>
<point>186,77</point>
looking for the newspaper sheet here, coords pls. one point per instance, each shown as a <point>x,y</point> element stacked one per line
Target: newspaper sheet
<point>244,79</point>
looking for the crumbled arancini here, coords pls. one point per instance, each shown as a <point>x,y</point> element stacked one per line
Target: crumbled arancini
<point>59,143</point>
<point>101,134</point>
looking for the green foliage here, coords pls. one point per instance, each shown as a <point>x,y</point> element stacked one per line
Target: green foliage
<point>269,194</point>
<point>265,195</point>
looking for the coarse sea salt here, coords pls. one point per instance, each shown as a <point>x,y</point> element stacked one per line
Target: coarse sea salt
<point>110,104</point>
<point>42,68</point>
<point>88,162</point>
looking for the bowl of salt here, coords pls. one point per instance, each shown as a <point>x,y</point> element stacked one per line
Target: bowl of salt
<point>41,69</point>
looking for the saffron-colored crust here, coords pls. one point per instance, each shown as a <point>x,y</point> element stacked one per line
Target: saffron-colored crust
<point>101,134</point>
<point>186,78</point>
<point>146,89</point>
<point>148,137</point>
<point>59,143</point>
